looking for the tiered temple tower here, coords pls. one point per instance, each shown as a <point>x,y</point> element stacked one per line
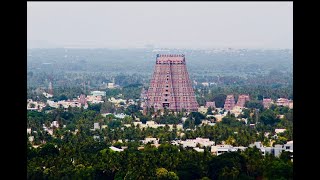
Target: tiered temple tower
<point>50,88</point>
<point>170,86</point>
<point>229,103</point>
<point>82,99</point>
<point>242,100</point>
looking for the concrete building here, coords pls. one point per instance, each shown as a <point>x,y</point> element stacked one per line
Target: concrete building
<point>203,142</point>
<point>121,115</point>
<point>198,149</point>
<point>220,149</point>
<point>55,124</point>
<point>150,140</point>
<point>31,138</point>
<point>276,150</point>
<point>98,93</point>
<point>202,109</point>
<point>116,149</point>
<point>111,85</point>
<point>279,130</point>
<point>283,102</point>
<point>205,84</point>
<point>96,126</point>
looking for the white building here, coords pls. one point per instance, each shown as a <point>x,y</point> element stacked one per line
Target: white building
<point>94,99</point>
<point>121,115</point>
<point>47,95</point>
<point>111,85</point>
<point>98,93</point>
<point>31,138</point>
<point>96,126</point>
<point>198,149</point>
<point>193,142</point>
<point>55,124</point>
<point>202,109</point>
<point>116,149</point>
<point>277,131</point>
<point>150,140</point>
<point>220,149</point>
<point>28,130</point>
<point>276,150</point>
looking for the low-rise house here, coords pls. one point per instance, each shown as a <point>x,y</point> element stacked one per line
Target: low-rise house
<point>116,149</point>
<point>31,138</point>
<point>98,93</point>
<point>55,124</point>
<point>96,126</point>
<point>288,146</point>
<point>198,149</point>
<point>202,109</point>
<point>276,150</point>
<point>283,102</point>
<point>121,115</point>
<point>150,140</point>
<point>194,142</point>
<point>220,149</point>
<point>219,117</point>
<point>277,131</point>
<point>237,110</point>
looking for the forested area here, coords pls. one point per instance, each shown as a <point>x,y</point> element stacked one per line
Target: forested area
<point>83,158</point>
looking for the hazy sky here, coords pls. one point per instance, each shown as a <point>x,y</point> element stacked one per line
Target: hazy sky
<point>163,24</point>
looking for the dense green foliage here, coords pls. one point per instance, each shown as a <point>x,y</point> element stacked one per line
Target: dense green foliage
<point>75,158</point>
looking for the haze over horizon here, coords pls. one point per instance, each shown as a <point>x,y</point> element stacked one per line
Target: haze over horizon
<point>197,25</point>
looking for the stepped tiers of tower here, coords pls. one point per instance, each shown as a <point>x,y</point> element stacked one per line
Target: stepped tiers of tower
<point>82,99</point>
<point>170,85</point>
<point>242,100</point>
<point>229,103</point>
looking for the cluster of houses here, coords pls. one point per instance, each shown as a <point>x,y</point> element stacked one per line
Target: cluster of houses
<point>236,107</point>
<point>279,102</point>
<point>122,102</point>
<point>153,124</point>
<point>34,105</point>
<point>199,144</point>
<point>95,97</point>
